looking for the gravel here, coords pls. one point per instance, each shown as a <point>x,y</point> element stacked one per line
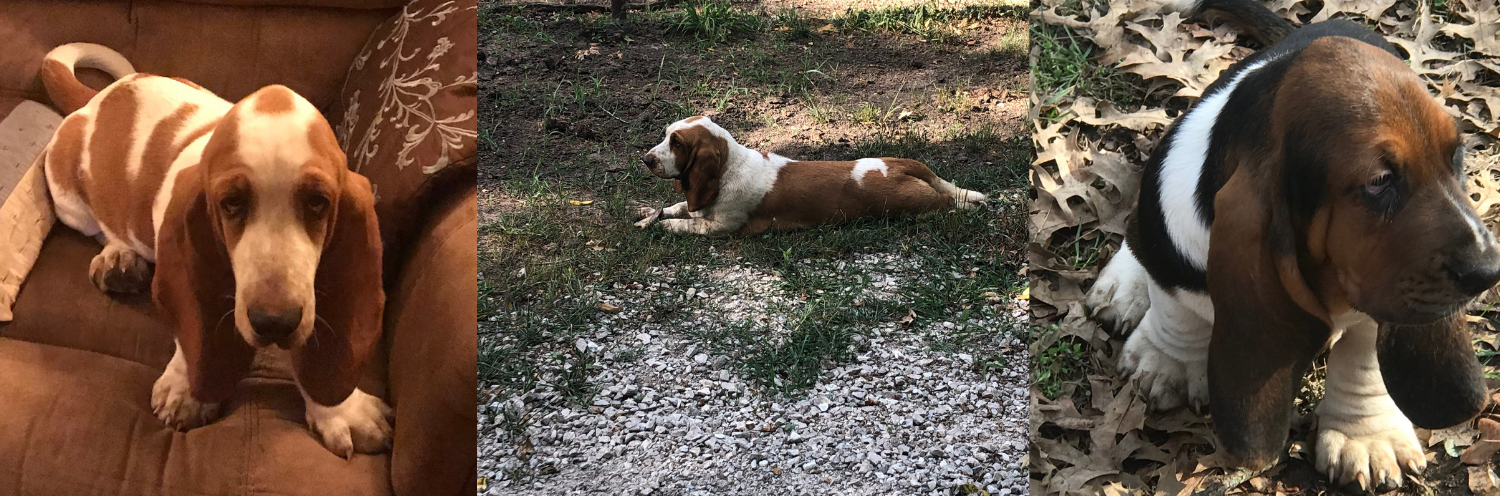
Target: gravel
<point>672,416</point>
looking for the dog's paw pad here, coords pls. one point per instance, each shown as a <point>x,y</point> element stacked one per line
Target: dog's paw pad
<point>172,402</point>
<point>361,424</point>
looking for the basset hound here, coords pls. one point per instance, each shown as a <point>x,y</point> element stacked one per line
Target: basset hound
<point>732,189</point>
<point>259,233</point>
<point>1313,199</point>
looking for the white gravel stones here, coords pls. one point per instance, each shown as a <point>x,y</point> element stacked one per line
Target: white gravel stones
<point>674,417</point>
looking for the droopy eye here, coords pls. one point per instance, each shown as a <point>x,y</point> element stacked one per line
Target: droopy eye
<point>233,205</point>
<point>1379,183</point>
<point>316,204</point>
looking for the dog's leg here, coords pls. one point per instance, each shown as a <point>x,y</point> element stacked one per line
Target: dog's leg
<point>678,211</point>
<point>1168,352</point>
<point>1362,437</point>
<point>703,226</point>
<point>1119,297</point>
<point>172,397</point>
<point>361,424</point>
<point>119,269</point>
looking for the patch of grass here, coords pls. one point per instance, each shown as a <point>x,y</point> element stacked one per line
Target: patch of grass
<point>1065,361</point>
<point>792,25</point>
<point>1065,65</point>
<point>715,21</point>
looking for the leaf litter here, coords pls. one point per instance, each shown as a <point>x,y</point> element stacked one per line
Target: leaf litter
<point>1091,433</point>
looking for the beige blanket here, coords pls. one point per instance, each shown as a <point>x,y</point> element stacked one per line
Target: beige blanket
<point>25,207</point>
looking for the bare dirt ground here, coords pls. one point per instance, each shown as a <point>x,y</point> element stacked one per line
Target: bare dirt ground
<point>1110,75</point>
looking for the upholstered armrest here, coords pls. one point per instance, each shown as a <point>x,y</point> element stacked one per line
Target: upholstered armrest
<point>431,332</point>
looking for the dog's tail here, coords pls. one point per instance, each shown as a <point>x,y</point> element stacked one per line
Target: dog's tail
<point>1250,17</point>
<point>963,199</point>
<point>63,86</point>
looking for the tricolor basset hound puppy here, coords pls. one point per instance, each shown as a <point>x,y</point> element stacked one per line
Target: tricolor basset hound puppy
<point>1313,199</point>
<point>732,189</point>
<point>259,233</point>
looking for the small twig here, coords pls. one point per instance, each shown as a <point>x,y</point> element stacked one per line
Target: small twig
<point>612,114</point>
<point>1218,485</point>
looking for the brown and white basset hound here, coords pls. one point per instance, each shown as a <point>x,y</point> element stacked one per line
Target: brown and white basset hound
<point>1315,198</point>
<point>732,189</point>
<point>259,233</point>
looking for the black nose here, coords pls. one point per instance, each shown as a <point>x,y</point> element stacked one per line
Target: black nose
<point>1475,277</point>
<point>275,326</point>
<point>649,160</point>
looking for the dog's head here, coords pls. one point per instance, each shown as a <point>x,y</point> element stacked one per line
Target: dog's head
<point>1350,196</point>
<point>273,204</point>
<point>1373,179</point>
<point>695,153</point>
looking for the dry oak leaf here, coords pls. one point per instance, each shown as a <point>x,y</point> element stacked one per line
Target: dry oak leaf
<point>1369,9</point>
<point>1489,442</point>
<point>1484,29</point>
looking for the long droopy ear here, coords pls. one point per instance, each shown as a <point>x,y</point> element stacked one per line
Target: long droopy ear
<point>1268,326</point>
<point>704,167</point>
<point>194,287</point>
<point>350,298</point>
<point>1431,372</point>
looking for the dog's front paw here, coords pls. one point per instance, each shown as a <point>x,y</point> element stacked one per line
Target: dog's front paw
<point>1120,296</point>
<point>1368,452</point>
<point>1164,378</point>
<point>647,215</point>
<point>117,269</point>
<point>172,401</point>
<point>361,424</point>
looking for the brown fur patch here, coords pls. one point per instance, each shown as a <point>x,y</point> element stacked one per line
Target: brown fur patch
<point>273,100</point>
<point>701,155</point>
<point>67,93</point>
<point>66,156</point>
<point>811,193</point>
<point>109,187</point>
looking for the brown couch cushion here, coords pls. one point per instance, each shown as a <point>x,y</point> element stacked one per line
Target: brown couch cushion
<point>58,306</point>
<point>409,115</point>
<point>77,422</point>
<point>432,333</point>
<point>230,50</point>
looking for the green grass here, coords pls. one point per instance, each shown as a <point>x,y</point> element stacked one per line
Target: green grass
<point>1065,66</point>
<point>715,21</point>
<point>1064,362</point>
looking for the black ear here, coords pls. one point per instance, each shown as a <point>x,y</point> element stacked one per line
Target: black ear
<point>1431,372</point>
<point>1266,333</point>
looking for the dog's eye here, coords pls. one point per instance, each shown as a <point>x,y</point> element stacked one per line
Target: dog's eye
<point>1379,184</point>
<point>317,205</point>
<point>233,206</point>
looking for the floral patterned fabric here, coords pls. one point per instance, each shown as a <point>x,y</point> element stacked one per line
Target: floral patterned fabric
<point>409,112</point>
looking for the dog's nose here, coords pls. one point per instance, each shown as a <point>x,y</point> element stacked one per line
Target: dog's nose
<point>1475,277</point>
<point>275,326</point>
<point>649,160</point>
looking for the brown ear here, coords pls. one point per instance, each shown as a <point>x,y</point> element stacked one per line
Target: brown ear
<point>194,287</point>
<point>1260,303</point>
<point>350,299</point>
<point>704,167</point>
<point>1431,372</point>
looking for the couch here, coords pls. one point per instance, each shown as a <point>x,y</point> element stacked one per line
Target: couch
<point>77,366</point>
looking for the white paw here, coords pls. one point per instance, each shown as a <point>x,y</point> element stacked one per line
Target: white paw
<point>1120,296</point>
<point>1369,452</point>
<point>172,399</point>
<point>361,424</point>
<point>1165,380</point>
